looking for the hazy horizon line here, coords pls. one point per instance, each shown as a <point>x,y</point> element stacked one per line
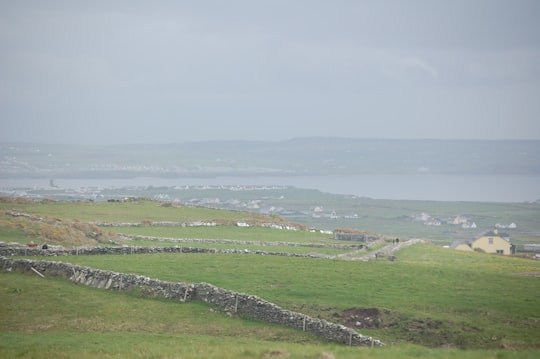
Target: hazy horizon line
<point>274,141</point>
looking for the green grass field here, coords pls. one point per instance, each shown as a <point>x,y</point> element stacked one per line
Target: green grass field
<point>136,211</point>
<point>434,296</point>
<point>301,242</point>
<point>319,252</point>
<point>232,233</point>
<point>392,218</point>
<point>43,318</point>
<point>433,302</point>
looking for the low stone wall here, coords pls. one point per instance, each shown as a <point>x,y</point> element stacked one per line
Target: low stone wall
<point>531,247</point>
<point>28,251</point>
<point>240,242</point>
<point>247,223</point>
<point>237,303</point>
<point>101,279</point>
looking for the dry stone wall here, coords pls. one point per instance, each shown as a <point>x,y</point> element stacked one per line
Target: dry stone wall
<point>237,303</point>
<point>27,251</point>
<point>240,242</point>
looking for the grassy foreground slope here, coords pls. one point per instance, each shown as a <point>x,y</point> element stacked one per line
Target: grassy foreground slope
<point>44,318</point>
<point>434,297</point>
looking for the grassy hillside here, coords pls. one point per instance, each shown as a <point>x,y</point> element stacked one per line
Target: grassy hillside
<point>54,318</point>
<point>433,297</point>
<point>391,218</point>
<point>133,211</point>
<point>81,223</point>
<point>44,318</point>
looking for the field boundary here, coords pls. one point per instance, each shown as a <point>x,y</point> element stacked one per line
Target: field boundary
<point>241,242</point>
<point>232,302</point>
<point>358,254</point>
<point>125,250</point>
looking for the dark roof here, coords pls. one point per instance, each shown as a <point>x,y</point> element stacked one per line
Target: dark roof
<point>494,233</point>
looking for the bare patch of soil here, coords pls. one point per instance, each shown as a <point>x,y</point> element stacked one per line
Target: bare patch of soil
<point>278,354</point>
<point>425,331</point>
<point>367,318</point>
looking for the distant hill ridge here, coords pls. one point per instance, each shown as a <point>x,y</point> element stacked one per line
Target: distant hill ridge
<point>300,156</point>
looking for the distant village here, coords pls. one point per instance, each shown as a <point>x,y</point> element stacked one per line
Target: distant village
<point>463,221</point>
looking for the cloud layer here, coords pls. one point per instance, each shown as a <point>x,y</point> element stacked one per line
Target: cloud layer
<point>167,71</point>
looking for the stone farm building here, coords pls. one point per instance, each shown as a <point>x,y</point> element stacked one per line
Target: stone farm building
<point>346,234</point>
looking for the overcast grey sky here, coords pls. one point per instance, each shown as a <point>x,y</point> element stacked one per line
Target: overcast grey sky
<point>174,71</point>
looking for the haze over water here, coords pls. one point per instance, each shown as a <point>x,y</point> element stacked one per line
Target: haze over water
<point>164,72</point>
<point>475,188</point>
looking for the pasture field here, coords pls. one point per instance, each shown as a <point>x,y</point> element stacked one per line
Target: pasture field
<point>43,318</point>
<point>393,218</point>
<point>56,230</point>
<point>301,242</point>
<point>432,302</point>
<point>432,296</point>
<point>320,252</point>
<point>133,211</point>
<point>231,233</point>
